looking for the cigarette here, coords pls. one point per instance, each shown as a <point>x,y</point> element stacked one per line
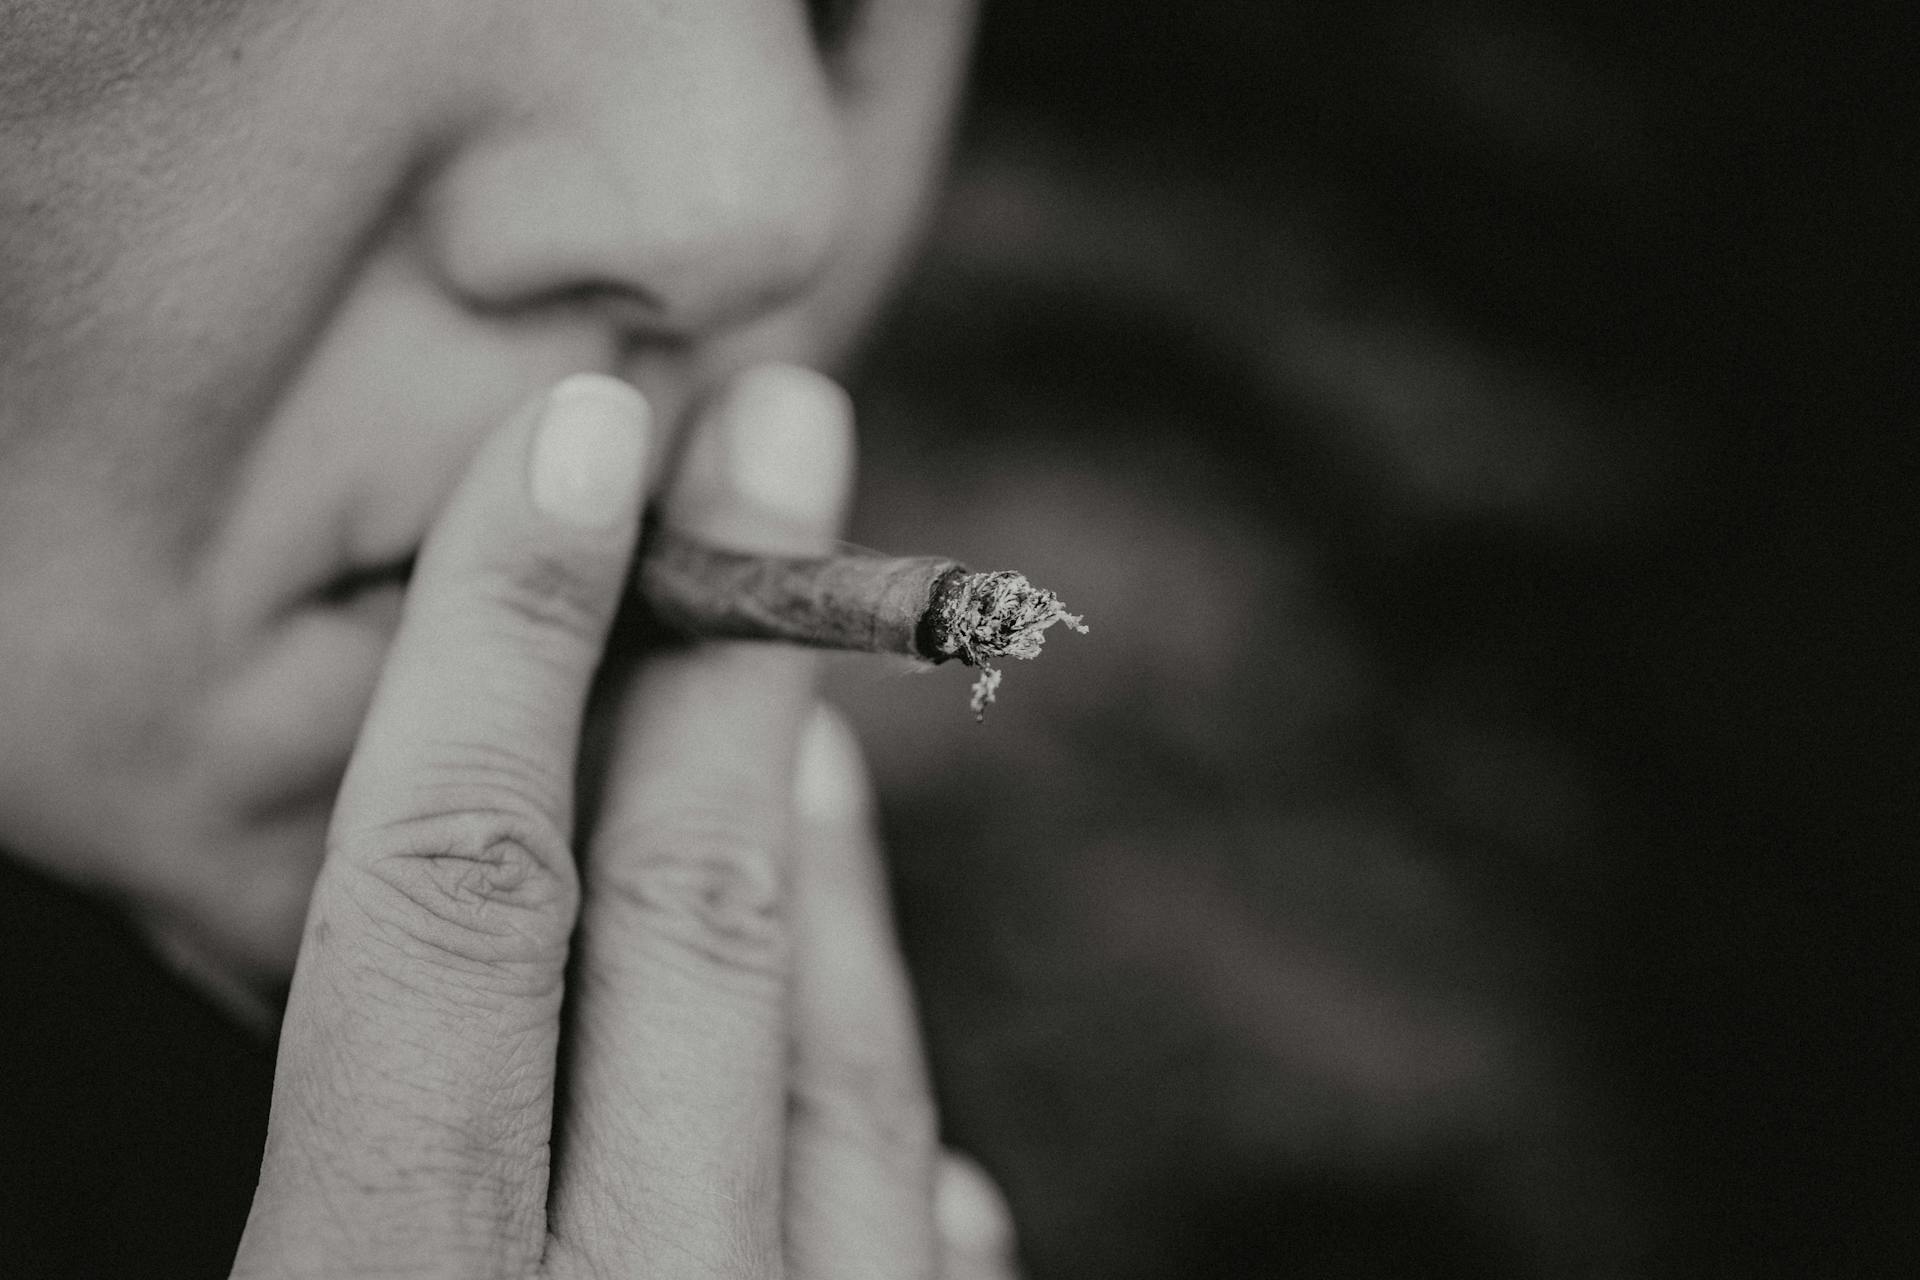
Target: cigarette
<point>924,607</point>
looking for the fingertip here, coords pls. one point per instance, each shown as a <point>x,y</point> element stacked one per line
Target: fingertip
<point>604,387</point>
<point>791,446</point>
<point>590,451</point>
<point>771,467</point>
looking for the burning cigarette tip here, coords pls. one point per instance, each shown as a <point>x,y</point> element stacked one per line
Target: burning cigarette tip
<point>977,617</point>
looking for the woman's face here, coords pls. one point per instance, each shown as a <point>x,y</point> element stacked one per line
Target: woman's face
<point>268,271</point>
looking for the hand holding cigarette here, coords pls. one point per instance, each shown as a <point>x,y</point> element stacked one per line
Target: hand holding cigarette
<point>717,932</point>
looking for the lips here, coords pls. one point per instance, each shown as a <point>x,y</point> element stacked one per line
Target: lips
<point>282,732</point>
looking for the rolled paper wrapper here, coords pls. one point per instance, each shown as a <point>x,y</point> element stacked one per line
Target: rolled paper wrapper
<point>925,607</point>
<point>873,604</point>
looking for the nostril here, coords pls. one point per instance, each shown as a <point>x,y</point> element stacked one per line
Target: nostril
<point>831,21</point>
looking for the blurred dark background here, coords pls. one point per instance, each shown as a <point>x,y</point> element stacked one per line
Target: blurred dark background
<point>1475,838</point>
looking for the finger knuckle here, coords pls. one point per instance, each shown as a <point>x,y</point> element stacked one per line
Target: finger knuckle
<point>706,890</point>
<point>541,592</point>
<point>487,889</point>
<point>473,775</point>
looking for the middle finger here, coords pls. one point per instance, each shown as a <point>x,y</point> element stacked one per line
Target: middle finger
<point>673,1141</point>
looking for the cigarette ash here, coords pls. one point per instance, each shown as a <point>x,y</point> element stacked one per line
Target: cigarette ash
<point>997,615</point>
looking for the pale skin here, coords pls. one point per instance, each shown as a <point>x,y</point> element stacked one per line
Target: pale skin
<point>295,293</point>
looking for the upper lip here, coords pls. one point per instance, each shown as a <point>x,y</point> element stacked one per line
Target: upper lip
<point>371,537</point>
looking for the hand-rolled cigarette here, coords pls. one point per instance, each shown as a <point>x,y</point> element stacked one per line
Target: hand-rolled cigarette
<point>922,606</point>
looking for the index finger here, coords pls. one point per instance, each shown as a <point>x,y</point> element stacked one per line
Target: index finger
<point>412,1099</point>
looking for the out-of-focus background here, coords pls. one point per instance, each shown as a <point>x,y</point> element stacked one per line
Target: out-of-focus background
<point>1474,839</point>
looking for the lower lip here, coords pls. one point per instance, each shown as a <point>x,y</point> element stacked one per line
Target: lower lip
<point>285,731</point>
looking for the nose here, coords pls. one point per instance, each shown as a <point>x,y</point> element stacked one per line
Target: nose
<point>679,163</point>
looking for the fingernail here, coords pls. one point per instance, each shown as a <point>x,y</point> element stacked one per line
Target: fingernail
<point>829,779</point>
<point>589,451</point>
<point>789,442</point>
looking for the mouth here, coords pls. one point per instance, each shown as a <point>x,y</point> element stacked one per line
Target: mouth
<point>286,727</point>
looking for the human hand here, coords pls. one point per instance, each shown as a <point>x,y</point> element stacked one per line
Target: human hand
<point>737,1089</point>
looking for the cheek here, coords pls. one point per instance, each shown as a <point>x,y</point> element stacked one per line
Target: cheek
<point>105,774</point>
<point>171,249</point>
<point>108,658</point>
<point>66,58</point>
<point>94,508</point>
<point>168,248</point>
<point>105,108</point>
